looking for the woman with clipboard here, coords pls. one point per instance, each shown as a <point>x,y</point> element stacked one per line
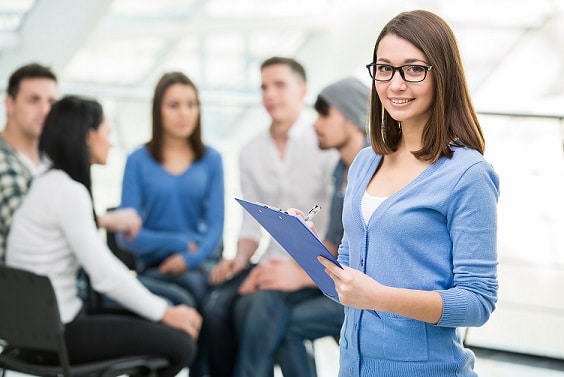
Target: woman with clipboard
<point>419,247</point>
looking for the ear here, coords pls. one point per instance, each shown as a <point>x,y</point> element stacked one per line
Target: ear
<point>9,103</point>
<point>303,90</point>
<point>89,136</point>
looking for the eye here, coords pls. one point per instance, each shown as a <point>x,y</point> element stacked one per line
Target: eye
<point>384,68</point>
<point>415,69</point>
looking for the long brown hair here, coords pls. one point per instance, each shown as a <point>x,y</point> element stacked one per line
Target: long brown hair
<point>155,145</point>
<point>453,119</point>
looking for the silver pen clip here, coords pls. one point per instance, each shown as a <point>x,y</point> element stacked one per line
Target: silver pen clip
<point>314,211</point>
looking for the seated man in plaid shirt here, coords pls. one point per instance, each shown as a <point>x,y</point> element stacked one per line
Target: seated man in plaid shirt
<point>32,89</point>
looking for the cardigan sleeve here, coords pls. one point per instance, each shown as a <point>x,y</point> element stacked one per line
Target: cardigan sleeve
<point>472,224</point>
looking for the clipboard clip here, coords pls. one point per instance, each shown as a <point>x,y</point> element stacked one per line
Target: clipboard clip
<point>272,208</point>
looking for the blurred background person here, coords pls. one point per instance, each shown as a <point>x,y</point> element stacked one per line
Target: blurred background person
<point>281,166</point>
<point>341,124</point>
<point>176,184</point>
<point>54,233</point>
<point>32,89</point>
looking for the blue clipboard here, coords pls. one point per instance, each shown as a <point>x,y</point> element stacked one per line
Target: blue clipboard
<point>293,234</point>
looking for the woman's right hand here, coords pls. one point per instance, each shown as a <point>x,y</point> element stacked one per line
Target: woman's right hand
<point>183,318</point>
<point>126,220</point>
<point>309,223</point>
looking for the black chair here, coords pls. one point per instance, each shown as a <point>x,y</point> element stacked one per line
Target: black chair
<point>29,319</point>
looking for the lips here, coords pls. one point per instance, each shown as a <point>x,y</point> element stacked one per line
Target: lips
<point>400,101</point>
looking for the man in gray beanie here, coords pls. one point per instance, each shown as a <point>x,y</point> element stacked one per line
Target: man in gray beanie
<point>342,114</point>
<point>341,124</point>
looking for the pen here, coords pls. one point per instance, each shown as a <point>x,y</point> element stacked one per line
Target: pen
<point>314,211</point>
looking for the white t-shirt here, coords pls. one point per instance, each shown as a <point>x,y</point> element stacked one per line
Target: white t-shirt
<point>53,234</point>
<point>369,204</point>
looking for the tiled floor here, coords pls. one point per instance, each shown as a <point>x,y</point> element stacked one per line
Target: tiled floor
<point>489,363</point>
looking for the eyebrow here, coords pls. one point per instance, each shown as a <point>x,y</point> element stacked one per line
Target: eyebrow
<point>406,61</point>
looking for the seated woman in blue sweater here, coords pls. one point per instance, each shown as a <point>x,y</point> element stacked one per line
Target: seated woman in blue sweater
<point>176,184</point>
<point>419,247</point>
<point>54,233</point>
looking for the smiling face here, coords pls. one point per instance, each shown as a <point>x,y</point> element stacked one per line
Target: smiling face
<point>180,110</point>
<point>406,102</point>
<point>283,92</point>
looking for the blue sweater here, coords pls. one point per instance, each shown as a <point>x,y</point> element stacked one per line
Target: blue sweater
<point>438,233</point>
<point>176,208</point>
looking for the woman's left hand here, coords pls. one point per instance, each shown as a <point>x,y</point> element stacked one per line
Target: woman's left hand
<point>355,288</point>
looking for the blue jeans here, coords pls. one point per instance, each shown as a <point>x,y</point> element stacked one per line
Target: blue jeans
<point>173,294</point>
<point>311,319</point>
<point>268,316</point>
<point>220,330</point>
<point>195,282</point>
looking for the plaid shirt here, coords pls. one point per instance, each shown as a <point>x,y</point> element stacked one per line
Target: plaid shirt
<point>15,179</point>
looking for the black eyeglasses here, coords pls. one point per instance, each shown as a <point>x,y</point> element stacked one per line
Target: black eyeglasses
<point>408,72</point>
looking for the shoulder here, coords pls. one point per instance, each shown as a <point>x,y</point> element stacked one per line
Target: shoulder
<point>139,157</point>
<point>12,166</point>
<point>365,157</point>
<point>211,153</point>
<point>470,165</point>
<point>364,162</point>
<point>60,182</point>
<point>465,158</point>
<point>139,153</point>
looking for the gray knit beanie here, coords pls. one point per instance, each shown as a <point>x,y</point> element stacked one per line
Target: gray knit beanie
<point>350,97</point>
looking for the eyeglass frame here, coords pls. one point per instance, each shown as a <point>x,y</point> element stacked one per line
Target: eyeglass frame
<point>400,70</point>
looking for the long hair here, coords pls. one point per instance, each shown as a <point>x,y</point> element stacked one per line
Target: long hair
<point>64,136</point>
<point>155,145</point>
<point>453,119</point>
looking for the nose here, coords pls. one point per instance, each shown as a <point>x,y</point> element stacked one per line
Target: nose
<point>316,123</point>
<point>397,82</point>
<point>45,107</point>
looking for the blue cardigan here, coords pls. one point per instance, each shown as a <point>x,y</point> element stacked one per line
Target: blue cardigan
<point>438,233</point>
<point>176,208</point>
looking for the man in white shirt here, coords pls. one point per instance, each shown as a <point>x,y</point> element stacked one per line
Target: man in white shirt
<point>32,89</point>
<point>283,167</point>
<point>342,109</point>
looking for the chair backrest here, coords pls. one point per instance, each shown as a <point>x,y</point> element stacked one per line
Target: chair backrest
<point>125,256</point>
<point>29,315</point>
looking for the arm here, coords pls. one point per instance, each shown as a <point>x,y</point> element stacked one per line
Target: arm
<point>472,227</point>
<point>227,268</point>
<point>126,220</point>
<point>249,235</point>
<point>359,290</point>
<point>107,274</point>
<point>158,244</point>
<point>472,224</point>
<point>214,215</point>
<point>15,183</point>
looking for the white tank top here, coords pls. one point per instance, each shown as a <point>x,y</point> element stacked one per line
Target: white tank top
<point>369,204</point>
